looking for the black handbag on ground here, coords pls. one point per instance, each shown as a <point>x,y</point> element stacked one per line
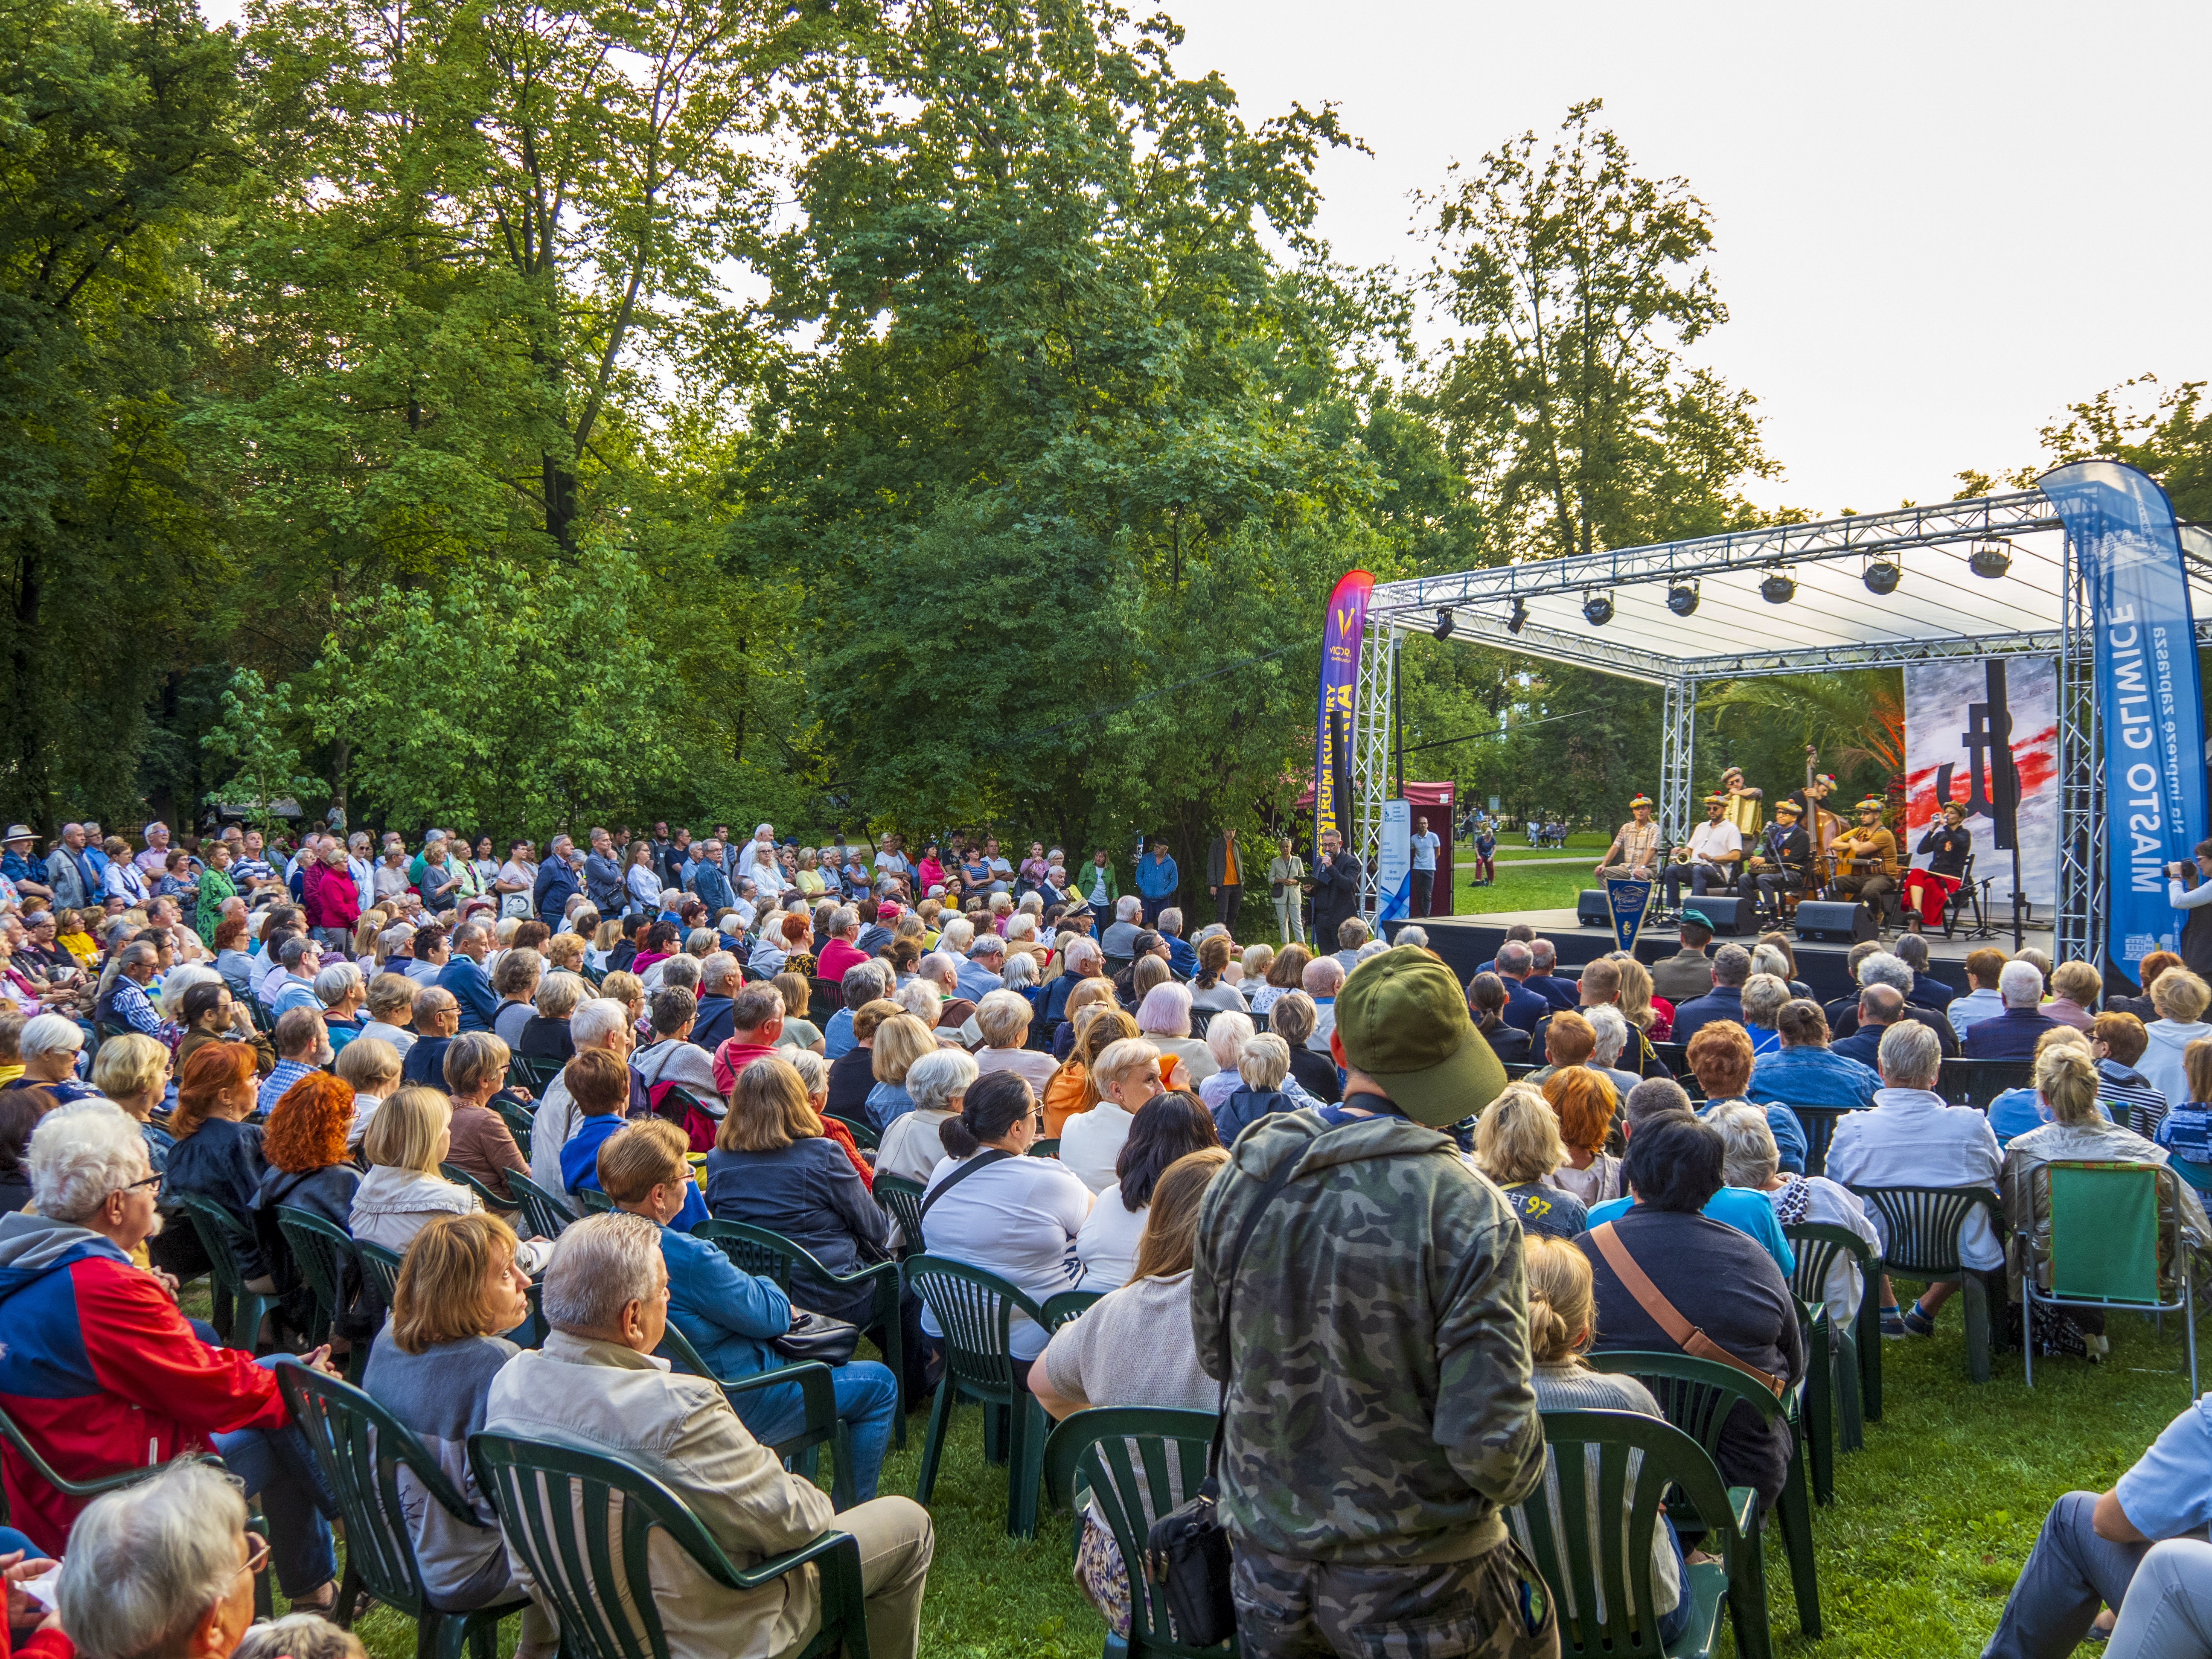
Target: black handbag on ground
<point>818,1336</point>
<point>1187,1552</point>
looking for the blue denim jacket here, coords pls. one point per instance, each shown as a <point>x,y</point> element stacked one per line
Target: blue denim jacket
<point>728,1315</point>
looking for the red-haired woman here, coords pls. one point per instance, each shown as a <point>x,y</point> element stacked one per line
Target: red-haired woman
<point>305,1143</point>
<point>218,1154</point>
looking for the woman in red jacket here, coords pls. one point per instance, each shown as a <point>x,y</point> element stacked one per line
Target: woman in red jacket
<point>102,1373</point>
<point>331,900</point>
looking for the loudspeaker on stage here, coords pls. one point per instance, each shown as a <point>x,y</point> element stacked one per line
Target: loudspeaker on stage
<point>1832,923</point>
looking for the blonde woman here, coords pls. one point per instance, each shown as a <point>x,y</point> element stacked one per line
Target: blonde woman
<point>370,1067</point>
<point>1125,1075</point>
<point>1562,1326</point>
<point>899,1041</point>
<point>402,1191</point>
<point>605,938</point>
<point>1518,1144</point>
<point>1635,999</point>
<point>1258,959</point>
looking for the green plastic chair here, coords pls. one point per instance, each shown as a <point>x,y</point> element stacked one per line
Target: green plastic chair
<point>1816,1406</point>
<point>1124,1456</point>
<point>1045,1148</point>
<point>818,1397</point>
<point>594,1201</point>
<point>1819,1248</point>
<point>518,1121</point>
<point>770,1255</point>
<point>976,1309</point>
<point>902,1199</point>
<point>1818,1123</point>
<point>1920,1227</point>
<point>361,1448</point>
<point>238,1311</point>
<point>1068,1307</point>
<point>548,1215</point>
<point>485,1196</point>
<point>1697,1396</point>
<point>323,1249</point>
<point>380,1270</point>
<point>2105,1244</point>
<point>535,1075</point>
<point>607,1612</point>
<point>1976,1083</point>
<point>1604,1466</point>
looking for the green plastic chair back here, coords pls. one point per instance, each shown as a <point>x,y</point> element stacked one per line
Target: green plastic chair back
<point>2104,1232</point>
<point>902,1198</point>
<point>380,1270</point>
<point>818,1391</point>
<point>1068,1307</point>
<point>220,1234</point>
<point>792,1268</point>
<point>595,1200</point>
<point>538,1074</point>
<point>322,1250</point>
<point>1589,1529</point>
<point>1921,1225</point>
<point>485,1196</point>
<point>976,1309</point>
<point>1138,1462</point>
<point>518,1121</point>
<point>548,1215</point>
<point>361,1448</point>
<point>1045,1148</point>
<point>580,1522</point>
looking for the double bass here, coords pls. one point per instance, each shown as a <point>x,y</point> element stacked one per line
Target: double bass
<point>1822,825</point>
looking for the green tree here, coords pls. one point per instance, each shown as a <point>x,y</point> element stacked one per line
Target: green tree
<point>117,159</point>
<point>2171,440</point>
<point>264,763</point>
<point>1577,284</point>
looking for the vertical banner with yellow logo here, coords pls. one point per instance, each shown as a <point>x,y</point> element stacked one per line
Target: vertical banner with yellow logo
<point>1340,678</point>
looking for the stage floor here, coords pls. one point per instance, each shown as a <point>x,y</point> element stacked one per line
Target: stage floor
<point>1467,942</point>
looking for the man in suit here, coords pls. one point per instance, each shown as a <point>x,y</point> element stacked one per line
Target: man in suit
<point>1689,972</point>
<point>1336,886</point>
<point>1731,967</point>
<point>2011,1034</point>
<point>1880,1008</point>
<point>1524,1008</point>
<point>1545,982</point>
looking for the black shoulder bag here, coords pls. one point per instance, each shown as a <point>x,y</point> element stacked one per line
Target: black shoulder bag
<point>1187,1551</point>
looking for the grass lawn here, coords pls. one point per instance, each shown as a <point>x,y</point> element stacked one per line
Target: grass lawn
<point>1930,1524</point>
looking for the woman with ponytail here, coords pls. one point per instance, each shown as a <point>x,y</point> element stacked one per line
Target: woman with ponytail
<point>1562,1326</point>
<point>1002,1210</point>
<point>2066,1082</point>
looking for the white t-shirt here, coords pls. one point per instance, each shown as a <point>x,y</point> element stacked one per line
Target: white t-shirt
<point>1107,1246</point>
<point>1091,1144</point>
<point>1711,840</point>
<point>1425,850</point>
<point>1017,1218</point>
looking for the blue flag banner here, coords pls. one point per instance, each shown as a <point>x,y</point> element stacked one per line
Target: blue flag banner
<point>1629,901</point>
<point>1394,863</point>
<point>2149,704</point>
<point>1341,633</point>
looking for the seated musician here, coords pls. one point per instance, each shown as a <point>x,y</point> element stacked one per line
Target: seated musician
<point>1949,844</point>
<point>1635,850</point>
<point>1784,863</point>
<point>1713,858</point>
<point>1866,859</point>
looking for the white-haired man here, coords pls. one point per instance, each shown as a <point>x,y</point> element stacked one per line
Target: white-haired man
<point>2011,1034</point>
<point>601,1022</point>
<point>1914,1138</point>
<point>1119,941</point>
<point>596,1385</point>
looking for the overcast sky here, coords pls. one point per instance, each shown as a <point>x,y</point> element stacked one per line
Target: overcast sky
<point>1937,224</point>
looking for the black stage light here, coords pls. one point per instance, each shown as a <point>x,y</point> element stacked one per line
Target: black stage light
<point>1519,619</point>
<point>1777,589</point>
<point>1682,598</point>
<point>1597,610</point>
<point>1882,577</point>
<point>1990,559</point>
<point>1445,622</point>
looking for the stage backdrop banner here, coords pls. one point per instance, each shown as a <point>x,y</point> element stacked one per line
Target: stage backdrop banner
<point>1394,865</point>
<point>1951,728</point>
<point>1339,675</point>
<point>2147,700</point>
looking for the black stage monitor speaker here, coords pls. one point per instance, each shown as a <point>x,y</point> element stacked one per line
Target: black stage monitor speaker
<point>1591,909</point>
<point>1834,923</point>
<point>1730,916</point>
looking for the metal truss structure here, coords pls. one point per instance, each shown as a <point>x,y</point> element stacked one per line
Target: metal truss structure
<point>1833,616</point>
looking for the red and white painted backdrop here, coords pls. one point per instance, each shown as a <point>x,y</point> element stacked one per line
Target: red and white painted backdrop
<point>1947,750</point>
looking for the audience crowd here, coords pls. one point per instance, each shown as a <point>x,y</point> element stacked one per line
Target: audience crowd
<point>555,1103</point>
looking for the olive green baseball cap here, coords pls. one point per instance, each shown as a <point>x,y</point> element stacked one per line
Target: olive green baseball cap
<point>1403,1021</point>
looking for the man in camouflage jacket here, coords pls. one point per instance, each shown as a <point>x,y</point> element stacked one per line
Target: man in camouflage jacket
<point>1380,1411</point>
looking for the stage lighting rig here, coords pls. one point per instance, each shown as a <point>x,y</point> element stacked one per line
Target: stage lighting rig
<point>1882,577</point>
<point>1519,619</point>
<point>1445,622</point>
<point>1682,597</point>
<point>1779,588</point>
<point>1597,610</point>
<point>1990,559</point>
